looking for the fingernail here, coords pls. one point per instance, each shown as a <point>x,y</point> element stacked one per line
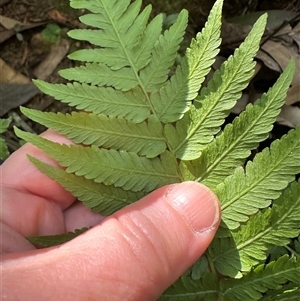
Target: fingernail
<point>197,204</point>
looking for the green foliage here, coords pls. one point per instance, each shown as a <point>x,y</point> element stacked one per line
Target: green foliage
<point>143,121</point>
<point>4,124</point>
<point>54,240</point>
<point>52,33</point>
<point>261,279</point>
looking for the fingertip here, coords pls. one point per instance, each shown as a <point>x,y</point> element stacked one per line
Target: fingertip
<point>197,204</point>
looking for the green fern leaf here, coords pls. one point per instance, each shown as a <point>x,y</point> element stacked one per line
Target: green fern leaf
<point>164,54</point>
<point>198,268</point>
<point>4,152</point>
<point>54,240</point>
<point>233,145</point>
<point>127,28</point>
<point>99,6</point>
<point>123,32</point>
<point>271,276</point>
<point>190,290</point>
<point>139,125</point>
<point>202,122</point>
<point>243,193</point>
<point>110,167</point>
<point>248,246</point>
<point>98,197</point>
<point>145,139</point>
<point>286,293</point>
<point>143,51</point>
<point>101,75</point>
<point>130,105</point>
<point>185,84</point>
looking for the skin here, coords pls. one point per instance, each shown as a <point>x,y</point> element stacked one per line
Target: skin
<point>134,254</point>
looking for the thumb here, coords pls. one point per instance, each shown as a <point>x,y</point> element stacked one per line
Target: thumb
<point>135,254</point>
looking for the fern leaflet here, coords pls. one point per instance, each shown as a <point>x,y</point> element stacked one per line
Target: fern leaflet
<point>248,245</point>
<point>101,75</point>
<point>145,139</point>
<point>243,193</point>
<point>130,105</point>
<point>287,293</point>
<point>164,54</point>
<point>233,145</point>
<point>262,279</point>
<point>190,290</point>
<point>121,169</point>
<point>199,125</point>
<point>100,198</point>
<point>54,240</point>
<point>186,82</point>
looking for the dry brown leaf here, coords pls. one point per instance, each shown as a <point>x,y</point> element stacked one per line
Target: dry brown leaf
<point>15,95</point>
<point>280,53</point>
<point>295,35</point>
<point>15,88</point>
<point>289,116</point>
<point>55,56</point>
<point>60,18</point>
<point>9,75</point>
<point>233,34</point>
<point>293,94</point>
<point>275,18</point>
<point>268,61</point>
<point>9,25</point>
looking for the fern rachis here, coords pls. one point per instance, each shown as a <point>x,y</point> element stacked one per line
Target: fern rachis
<point>139,128</point>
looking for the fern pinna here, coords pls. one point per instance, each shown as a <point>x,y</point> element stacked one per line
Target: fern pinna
<point>141,124</point>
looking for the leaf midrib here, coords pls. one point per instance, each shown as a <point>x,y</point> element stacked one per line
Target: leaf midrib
<point>118,168</point>
<point>262,277</point>
<point>82,127</point>
<point>191,72</point>
<point>263,177</point>
<point>233,145</point>
<point>212,107</point>
<point>263,233</point>
<point>87,96</point>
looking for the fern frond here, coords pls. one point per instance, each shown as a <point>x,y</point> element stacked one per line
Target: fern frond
<point>198,268</point>
<point>190,290</point>
<point>249,244</point>
<point>142,53</point>
<point>233,145</point>
<point>145,139</point>
<point>173,100</point>
<point>202,122</point>
<point>54,240</point>
<point>164,54</point>
<point>120,33</point>
<point>110,167</point>
<point>127,25</point>
<point>101,75</point>
<point>98,6</point>
<point>243,193</point>
<point>286,293</point>
<point>132,53</point>
<point>131,105</point>
<point>263,278</point>
<point>98,197</point>
<point>141,125</point>
<point>4,124</point>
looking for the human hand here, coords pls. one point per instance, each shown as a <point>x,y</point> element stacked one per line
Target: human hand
<point>134,254</point>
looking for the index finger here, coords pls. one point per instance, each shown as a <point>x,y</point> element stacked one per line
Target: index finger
<point>20,174</point>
